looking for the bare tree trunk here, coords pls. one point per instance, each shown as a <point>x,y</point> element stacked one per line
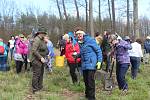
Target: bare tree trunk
<point>91,17</point>
<point>75,2</point>
<point>135,18</point>
<point>147,27</point>
<point>100,19</point>
<point>113,16</point>
<point>61,20</point>
<point>109,10</point>
<point>64,7</point>
<point>86,10</point>
<point>128,16</point>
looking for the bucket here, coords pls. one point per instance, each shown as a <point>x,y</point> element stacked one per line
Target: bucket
<point>59,61</point>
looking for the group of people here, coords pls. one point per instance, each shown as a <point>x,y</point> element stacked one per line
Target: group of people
<point>36,50</point>
<point>92,53</point>
<point>81,50</point>
<point>84,53</point>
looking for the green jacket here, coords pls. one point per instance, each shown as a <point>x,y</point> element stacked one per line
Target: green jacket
<point>39,48</point>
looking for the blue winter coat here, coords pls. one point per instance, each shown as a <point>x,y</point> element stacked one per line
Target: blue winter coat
<point>90,53</point>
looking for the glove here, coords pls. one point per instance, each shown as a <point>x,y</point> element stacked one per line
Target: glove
<point>98,65</point>
<point>42,60</point>
<point>48,56</point>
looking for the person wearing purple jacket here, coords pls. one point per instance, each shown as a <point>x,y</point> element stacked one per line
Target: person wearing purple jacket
<point>121,48</point>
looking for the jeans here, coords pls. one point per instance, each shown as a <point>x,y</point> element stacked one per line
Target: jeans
<point>3,64</point>
<point>11,52</point>
<point>121,70</point>
<point>135,62</point>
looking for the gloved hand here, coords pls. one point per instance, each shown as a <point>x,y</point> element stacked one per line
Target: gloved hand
<point>42,60</point>
<point>48,56</point>
<point>98,65</point>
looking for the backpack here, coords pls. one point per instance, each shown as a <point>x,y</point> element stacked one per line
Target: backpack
<point>2,49</point>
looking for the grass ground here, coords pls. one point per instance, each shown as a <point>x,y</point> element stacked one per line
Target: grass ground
<point>58,86</point>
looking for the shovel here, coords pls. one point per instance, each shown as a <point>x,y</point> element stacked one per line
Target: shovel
<point>108,85</point>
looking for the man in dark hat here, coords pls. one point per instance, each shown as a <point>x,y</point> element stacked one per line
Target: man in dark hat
<point>38,53</point>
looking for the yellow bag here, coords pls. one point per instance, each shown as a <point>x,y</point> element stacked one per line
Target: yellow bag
<point>59,61</point>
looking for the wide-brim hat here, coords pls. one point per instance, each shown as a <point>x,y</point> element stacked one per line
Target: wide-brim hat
<point>42,30</point>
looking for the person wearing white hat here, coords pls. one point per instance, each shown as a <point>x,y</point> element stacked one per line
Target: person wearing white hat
<point>91,58</point>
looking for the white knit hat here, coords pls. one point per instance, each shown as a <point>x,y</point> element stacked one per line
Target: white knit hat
<point>80,32</point>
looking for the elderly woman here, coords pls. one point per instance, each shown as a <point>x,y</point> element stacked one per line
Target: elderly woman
<point>91,58</point>
<point>3,56</point>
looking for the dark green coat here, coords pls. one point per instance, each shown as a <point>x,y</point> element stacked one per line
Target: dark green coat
<point>39,48</point>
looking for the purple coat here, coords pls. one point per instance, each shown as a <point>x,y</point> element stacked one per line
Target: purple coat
<point>121,50</point>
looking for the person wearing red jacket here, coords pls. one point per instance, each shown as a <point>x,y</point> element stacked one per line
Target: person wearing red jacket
<point>72,47</point>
